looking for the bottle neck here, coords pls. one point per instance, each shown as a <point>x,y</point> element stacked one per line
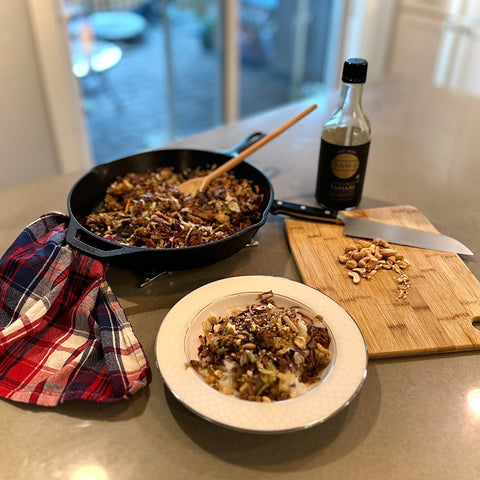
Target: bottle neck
<point>348,124</point>
<point>351,96</point>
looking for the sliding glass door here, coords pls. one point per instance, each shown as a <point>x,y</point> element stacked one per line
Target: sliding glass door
<point>152,71</point>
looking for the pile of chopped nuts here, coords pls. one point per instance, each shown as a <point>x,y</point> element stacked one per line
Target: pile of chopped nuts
<point>364,259</point>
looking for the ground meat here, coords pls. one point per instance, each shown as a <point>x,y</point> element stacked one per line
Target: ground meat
<point>147,210</point>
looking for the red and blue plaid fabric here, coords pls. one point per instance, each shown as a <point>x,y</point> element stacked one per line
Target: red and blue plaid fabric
<point>63,334</point>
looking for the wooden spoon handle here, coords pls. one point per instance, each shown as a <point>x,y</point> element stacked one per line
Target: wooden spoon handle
<point>248,151</point>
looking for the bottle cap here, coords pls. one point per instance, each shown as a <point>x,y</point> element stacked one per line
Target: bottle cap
<point>354,70</point>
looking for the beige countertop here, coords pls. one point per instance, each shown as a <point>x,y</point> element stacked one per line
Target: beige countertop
<point>413,418</point>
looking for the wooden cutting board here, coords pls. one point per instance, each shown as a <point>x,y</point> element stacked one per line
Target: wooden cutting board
<point>440,308</point>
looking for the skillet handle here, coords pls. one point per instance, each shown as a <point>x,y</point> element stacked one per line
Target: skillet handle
<point>244,144</point>
<point>79,240</point>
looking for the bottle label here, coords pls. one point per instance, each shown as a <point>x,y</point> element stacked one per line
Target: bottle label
<point>341,173</point>
<point>345,165</point>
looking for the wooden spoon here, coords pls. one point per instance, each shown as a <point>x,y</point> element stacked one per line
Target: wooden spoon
<point>198,184</point>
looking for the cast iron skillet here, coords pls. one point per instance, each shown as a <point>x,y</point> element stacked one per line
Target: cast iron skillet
<point>90,190</point>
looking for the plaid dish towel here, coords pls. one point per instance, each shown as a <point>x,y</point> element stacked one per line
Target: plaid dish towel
<point>63,334</point>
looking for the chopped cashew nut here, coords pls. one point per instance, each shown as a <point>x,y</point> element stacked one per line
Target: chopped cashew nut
<point>364,259</point>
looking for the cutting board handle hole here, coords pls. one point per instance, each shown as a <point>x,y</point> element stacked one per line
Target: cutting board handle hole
<point>476,322</point>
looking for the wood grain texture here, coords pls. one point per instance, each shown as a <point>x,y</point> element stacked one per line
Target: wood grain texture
<point>442,303</point>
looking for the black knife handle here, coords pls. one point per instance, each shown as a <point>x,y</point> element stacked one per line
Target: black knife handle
<point>304,211</point>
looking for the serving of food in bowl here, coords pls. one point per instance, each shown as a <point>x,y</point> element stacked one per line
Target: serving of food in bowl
<point>261,354</point>
<point>268,349</point>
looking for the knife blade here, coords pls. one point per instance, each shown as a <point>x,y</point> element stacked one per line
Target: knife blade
<point>363,228</point>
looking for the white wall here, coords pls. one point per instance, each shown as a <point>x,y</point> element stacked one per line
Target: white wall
<point>368,33</point>
<point>26,143</point>
<point>42,130</point>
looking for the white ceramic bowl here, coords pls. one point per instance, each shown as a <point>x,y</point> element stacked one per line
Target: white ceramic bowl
<point>178,340</point>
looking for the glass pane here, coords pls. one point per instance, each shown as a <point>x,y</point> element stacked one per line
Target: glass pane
<point>145,71</point>
<point>284,48</point>
<point>196,64</point>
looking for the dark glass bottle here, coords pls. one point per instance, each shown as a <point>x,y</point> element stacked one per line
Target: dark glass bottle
<point>345,143</point>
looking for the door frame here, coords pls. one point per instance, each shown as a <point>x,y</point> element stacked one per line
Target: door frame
<point>61,89</point>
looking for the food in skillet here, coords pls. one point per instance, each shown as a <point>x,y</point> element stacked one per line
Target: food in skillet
<point>147,210</point>
<point>263,352</point>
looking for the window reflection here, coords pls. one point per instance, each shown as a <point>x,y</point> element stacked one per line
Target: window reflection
<point>90,472</point>
<point>473,399</point>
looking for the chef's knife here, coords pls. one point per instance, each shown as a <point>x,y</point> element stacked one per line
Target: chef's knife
<point>363,228</point>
